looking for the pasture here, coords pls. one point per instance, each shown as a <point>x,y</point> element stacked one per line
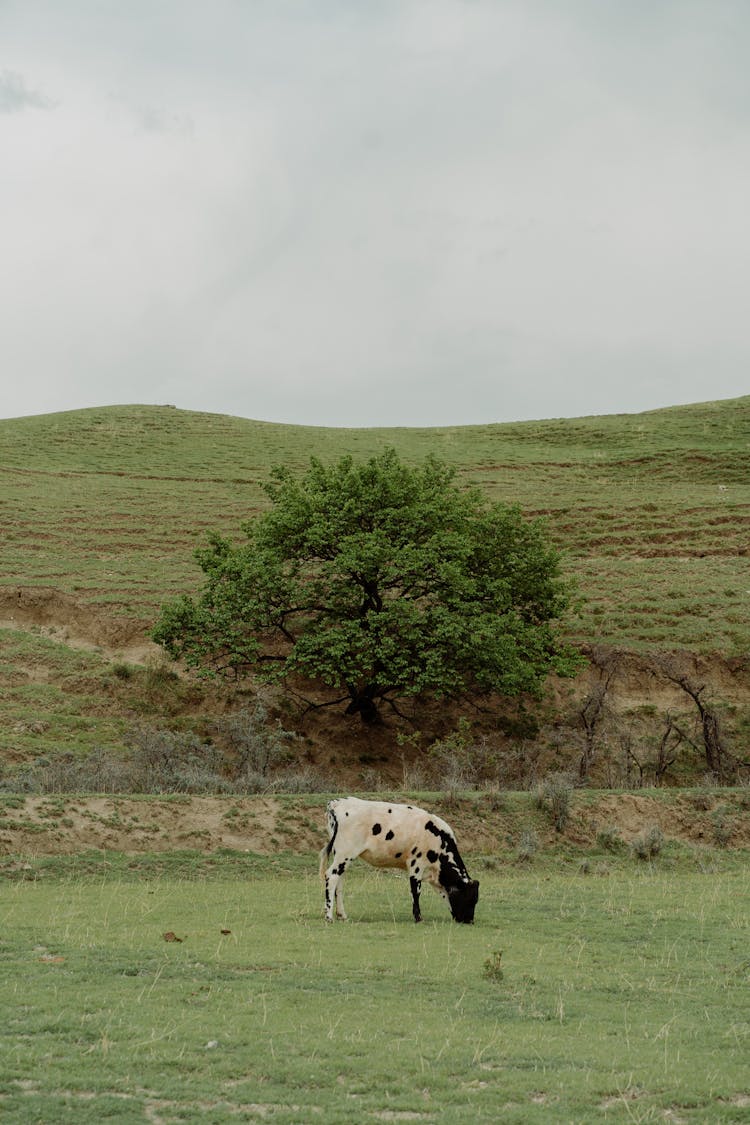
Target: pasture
<point>652,510</point>
<point>620,995</point>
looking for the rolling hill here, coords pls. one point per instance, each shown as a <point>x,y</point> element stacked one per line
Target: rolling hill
<point>101,509</point>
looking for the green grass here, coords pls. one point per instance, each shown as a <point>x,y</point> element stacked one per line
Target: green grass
<point>614,998</point>
<point>63,708</point>
<point>108,504</point>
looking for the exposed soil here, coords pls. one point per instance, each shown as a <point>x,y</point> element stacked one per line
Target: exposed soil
<point>63,618</point>
<point>351,755</point>
<point>486,825</point>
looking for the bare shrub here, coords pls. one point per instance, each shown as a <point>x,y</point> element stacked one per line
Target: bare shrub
<point>307,779</point>
<point>596,712</point>
<point>554,797</point>
<point>461,761</point>
<point>371,779</point>
<point>528,846</point>
<point>519,765</point>
<point>100,771</point>
<point>648,844</point>
<point>722,826</point>
<point>492,967</point>
<point>159,760</point>
<point>702,798</point>
<point>610,839</point>
<point>167,761</point>
<point>257,746</point>
<point>495,799</point>
<point>709,735</point>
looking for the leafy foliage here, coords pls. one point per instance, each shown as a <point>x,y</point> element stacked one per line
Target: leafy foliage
<point>378,580</point>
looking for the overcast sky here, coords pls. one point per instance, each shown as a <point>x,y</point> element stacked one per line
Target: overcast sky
<point>358,213</point>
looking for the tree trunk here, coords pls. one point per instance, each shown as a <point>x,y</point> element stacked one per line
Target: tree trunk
<point>363,704</point>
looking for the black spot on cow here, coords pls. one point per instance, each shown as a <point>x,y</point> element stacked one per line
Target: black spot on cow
<point>450,876</point>
<point>448,845</point>
<point>432,856</point>
<point>376,829</point>
<point>389,835</point>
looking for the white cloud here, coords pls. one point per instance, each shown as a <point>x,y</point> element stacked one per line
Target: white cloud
<point>410,213</point>
<point>16,96</point>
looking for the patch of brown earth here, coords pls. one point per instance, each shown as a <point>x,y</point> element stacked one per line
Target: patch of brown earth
<point>59,825</point>
<point>63,618</point>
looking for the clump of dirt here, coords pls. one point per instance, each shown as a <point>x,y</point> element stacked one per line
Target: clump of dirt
<point>62,617</point>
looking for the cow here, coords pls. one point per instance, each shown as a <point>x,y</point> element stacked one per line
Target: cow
<point>389,835</point>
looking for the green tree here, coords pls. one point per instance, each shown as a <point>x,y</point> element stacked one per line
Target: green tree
<point>378,580</point>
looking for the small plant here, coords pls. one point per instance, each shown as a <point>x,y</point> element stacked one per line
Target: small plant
<point>257,745</point>
<point>528,846</point>
<point>722,827</point>
<point>307,779</point>
<point>122,670</point>
<point>371,779</point>
<point>455,759</point>
<point>610,839</point>
<point>492,968</point>
<point>701,798</point>
<point>495,800</point>
<point>648,844</point>
<point>554,796</point>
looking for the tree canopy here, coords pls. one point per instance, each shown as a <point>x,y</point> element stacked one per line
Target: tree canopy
<point>378,580</point>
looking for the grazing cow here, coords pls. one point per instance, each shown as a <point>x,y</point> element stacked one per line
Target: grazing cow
<point>390,835</point>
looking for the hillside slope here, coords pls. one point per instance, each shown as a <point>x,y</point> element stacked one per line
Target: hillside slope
<point>653,510</point>
<point>101,509</point>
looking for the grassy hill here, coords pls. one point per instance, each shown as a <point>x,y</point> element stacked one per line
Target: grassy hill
<point>101,509</point>
<point>652,510</point>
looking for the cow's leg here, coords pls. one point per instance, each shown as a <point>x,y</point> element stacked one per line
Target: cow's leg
<point>334,890</point>
<point>416,887</point>
<point>340,912</point>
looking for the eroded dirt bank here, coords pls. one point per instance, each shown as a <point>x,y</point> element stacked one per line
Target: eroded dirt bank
<point>487,824</point>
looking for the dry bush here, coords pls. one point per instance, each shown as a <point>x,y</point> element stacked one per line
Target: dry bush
<point>610,839</point>
<point>554,797</point>
<point>648,844</point>
<point>528,846</point>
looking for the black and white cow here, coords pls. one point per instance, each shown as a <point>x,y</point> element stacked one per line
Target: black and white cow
<point>390,835</point>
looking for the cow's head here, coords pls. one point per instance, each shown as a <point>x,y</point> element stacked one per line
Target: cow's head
<point>463,900</point>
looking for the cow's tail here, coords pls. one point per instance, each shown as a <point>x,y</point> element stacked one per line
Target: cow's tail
<point>333,827</point>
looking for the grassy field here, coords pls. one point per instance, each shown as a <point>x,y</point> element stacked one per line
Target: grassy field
<point>619,996</point>
<point>652,510</point>
<point>615,995</point>
<point>101,510</point>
